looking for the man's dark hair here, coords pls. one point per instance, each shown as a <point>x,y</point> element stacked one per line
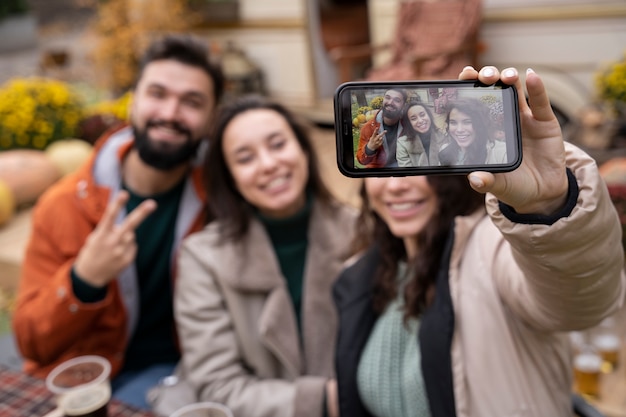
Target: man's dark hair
<point>188,50</point>
<point>401,91</point>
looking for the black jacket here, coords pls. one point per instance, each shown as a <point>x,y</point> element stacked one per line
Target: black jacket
<point>353,296</point>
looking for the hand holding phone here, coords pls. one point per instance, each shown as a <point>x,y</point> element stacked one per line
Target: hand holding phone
<point>540,184</point>
<point>426,127</point>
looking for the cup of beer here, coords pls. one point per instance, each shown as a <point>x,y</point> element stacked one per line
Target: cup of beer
<point>587,370</point>
<point>608,345</point>
<point>203,409</point>
<point>81,386</point>
<point>607,341</point>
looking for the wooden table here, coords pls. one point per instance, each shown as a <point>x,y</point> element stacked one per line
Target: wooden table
<point>23,395</point>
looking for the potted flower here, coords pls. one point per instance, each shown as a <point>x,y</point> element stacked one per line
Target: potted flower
<point>36,112</point>
<point>611,83</point>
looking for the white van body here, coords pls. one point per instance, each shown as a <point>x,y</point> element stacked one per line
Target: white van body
<point>566,41</point>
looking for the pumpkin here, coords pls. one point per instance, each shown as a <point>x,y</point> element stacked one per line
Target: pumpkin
<point>28,173</point>
<point>68,154</point>
<point>7,203</point>
<point>614,171</point>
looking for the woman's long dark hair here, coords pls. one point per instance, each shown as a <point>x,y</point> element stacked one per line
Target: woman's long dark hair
<point>225,203</point>
<point>412,133</point>
<point>456,198</point>
<point>478,112</point>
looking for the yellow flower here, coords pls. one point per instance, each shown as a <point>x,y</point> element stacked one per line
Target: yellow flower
<point>117,108</point>
<point>611,83</point>
<point>36,112</point>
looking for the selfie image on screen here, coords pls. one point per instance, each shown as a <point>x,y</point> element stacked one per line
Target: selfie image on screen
<point>438,126</point>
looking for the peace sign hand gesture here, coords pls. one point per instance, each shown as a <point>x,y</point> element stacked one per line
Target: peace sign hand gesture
<point>376,141</point>
<point>111,247</point>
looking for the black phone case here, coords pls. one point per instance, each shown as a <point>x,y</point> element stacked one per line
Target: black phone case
<point>346,127</point>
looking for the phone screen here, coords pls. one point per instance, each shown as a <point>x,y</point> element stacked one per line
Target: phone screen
<point>426,127</point>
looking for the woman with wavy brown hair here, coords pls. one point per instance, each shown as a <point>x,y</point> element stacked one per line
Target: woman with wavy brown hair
<point>253,298</point>
<point>460,303</point>
<point>472,140</point>
<point>419,147</point>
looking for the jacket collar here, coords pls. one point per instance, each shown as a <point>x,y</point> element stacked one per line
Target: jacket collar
<point>279,332</point>
<point>99,181</point>
<point>463,227</point>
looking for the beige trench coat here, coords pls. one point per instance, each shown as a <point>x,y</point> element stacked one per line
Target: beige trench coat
<point>237,326</point>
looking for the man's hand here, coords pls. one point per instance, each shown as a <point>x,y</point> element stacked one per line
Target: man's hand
<point>111,247</point>
<point>539,185</point>
<point>376,141</point>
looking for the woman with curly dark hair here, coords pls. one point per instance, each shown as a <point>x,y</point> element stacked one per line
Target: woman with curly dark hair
<point>471,139</point>
<point>459,304</point>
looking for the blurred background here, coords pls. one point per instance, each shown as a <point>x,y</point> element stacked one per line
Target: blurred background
<point>67,69</point>
<point>296,50</point>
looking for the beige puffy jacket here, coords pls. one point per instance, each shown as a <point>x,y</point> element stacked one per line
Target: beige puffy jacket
<point>517,291</point>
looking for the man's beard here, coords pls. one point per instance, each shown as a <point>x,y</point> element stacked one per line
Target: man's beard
<point>391,112</point>
<point>160,155</point>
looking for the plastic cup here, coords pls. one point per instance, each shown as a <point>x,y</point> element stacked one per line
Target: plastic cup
<point>587,370</point>
<point>203,409</point>
<point>608,342</point>
<point>81,386</point>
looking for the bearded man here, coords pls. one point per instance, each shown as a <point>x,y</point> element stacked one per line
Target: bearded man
<point>98,273</point>
<point>378,138</point>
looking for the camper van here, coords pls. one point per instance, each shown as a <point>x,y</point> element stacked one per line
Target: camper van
<point>566,41</point>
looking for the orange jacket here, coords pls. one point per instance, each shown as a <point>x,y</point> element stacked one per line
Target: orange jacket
<point>379,158</point>
<point>50,324</point>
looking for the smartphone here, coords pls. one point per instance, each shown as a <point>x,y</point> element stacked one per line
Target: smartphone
<point>404,128</point>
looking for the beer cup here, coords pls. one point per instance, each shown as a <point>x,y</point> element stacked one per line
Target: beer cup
<point>587,370</point>
<point>81,386</point>
<point>203,409</point>
<point>608,345</point>
<point>607,341</point>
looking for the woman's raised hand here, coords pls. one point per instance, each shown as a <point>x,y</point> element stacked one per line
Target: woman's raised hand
<point>539,184</point>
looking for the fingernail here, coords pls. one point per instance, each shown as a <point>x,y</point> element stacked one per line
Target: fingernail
<point>476,181</point>
<point>468,67</point>
<point>529,70</point>
<point>510,73</point>
<point>488,72</point>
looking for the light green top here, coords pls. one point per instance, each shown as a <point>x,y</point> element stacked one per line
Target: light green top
<point>389,376</point>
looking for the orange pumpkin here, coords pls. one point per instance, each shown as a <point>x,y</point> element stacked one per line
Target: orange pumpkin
<point>68,154</point>
<point>614,171</point>
<point>7,203</point>
<point>28,173</point>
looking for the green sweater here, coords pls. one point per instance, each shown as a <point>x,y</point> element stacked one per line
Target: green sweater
<point>154,338</point>
<point>289,237</point>
<point>389,376</point>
